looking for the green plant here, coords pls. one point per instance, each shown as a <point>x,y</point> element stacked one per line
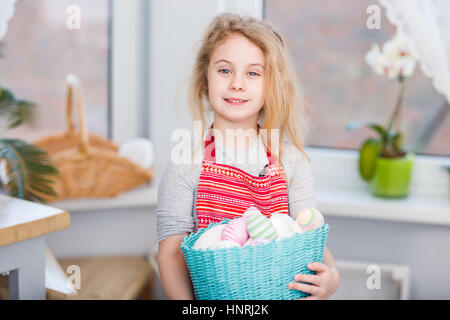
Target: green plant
<point>396,62</point>
<point>27,168</point>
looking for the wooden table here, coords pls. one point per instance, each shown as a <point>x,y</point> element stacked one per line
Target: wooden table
<point>23,226</point>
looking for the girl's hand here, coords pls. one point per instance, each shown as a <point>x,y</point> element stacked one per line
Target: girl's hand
<point>321,285</point>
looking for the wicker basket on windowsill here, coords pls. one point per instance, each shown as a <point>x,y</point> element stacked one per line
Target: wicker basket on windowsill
<point>89,165</point>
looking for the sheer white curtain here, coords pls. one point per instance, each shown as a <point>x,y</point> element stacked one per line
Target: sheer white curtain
<point>427,24</point>
<point>6,13</point>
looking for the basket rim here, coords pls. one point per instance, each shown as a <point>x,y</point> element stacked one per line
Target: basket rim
<point>188,241</point>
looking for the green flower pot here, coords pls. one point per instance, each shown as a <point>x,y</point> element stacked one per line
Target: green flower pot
<point>392,176</point>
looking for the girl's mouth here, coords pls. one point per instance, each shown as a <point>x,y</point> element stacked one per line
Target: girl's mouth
<point>235,102</point>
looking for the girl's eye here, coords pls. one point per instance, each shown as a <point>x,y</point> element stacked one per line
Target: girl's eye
<point>225,71</point>
<point>252,73</point>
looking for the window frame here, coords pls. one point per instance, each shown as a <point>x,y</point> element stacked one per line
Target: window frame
<point>333,164</point>
<point>128,80</point>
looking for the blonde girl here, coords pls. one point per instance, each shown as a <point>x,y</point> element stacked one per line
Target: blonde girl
<point>243,76</point>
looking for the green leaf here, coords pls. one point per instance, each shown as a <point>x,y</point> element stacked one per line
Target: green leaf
<point>396,140</point>
<point>16,111</point>
<point>353,125</point>
<point>380,130</point>
<point>30,170</point>
<point>368,155</point>
<point>6,96</point>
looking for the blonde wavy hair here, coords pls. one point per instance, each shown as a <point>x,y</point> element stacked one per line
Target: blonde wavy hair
<point>282,107</point>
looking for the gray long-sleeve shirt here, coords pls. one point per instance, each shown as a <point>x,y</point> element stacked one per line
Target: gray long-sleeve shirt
<point>177,190</point>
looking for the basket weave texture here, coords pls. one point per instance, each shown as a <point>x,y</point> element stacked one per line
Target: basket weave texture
<point>89,165</point>
<point>258,272</point>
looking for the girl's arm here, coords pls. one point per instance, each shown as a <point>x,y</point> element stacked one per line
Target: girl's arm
<point>174,219</point>
<point>328,259</point>
<point>174,274</point>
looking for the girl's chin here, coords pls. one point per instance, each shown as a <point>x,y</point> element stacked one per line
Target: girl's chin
<point>235,115</point>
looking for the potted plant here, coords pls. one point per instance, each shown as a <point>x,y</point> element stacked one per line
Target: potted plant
<point>25,169</point>
<point>383,162</point>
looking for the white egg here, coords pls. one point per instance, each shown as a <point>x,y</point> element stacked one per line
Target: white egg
<point>283,224</point>
<point>226,244</point>
<point>138,150</point>
<point>254,242</point>
<point>210,238</point>
<point>298,229</point>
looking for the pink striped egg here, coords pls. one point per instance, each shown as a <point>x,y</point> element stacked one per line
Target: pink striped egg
<point>236,230</point>
<point>310,219</point>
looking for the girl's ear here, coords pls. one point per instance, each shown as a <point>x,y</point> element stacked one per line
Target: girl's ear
<point>204,90</point>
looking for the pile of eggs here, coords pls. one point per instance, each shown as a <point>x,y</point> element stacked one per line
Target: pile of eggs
<point>254,228</point>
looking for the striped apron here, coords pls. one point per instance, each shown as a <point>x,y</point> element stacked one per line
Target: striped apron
<point>226,192</point>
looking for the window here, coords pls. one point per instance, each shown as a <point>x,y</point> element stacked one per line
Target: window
<point>328,41</point>
<point>40,50</point>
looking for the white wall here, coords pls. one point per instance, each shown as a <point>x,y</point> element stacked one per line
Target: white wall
<point>176,27</point>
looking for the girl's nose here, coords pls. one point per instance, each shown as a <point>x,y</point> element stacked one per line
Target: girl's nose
<point>236,84</point>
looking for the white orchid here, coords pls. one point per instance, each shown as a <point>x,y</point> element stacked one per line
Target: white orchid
<point>6,13</point>
<point>394,60</point>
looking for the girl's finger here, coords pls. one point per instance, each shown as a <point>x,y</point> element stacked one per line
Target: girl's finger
<point>317,266</point>
<point>310,278</point>
<point>303,287</point>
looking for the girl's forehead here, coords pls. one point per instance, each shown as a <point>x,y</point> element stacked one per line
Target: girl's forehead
<point>238,49</point>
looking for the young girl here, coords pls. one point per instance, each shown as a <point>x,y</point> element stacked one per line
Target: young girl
<point>243,72</point>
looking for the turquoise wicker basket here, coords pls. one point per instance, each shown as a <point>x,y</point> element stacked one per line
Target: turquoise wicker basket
<point>258,272</point>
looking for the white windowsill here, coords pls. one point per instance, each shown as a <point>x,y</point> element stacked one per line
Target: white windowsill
<point>350,203</point>
<point>144,196</point>
<point>362,204</point>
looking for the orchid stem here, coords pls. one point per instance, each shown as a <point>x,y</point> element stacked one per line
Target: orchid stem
<point>401,80</point>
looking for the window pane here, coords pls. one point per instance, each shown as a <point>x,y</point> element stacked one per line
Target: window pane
<point>40,50</point>
<point>328,41</point>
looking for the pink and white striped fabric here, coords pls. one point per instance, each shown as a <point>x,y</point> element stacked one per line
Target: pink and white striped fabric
<point>226,192</point>
<point>236,231</point>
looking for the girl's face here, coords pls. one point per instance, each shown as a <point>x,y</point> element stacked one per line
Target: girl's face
<point>236,80</point>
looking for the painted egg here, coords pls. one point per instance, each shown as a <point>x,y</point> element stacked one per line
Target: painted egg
<point>236,230</point>
<point>250,211</point>
<point>283,224</point>
<point>210,238</point>
<point>226,244</point>
<point>259,226</point>
<point>310,219</point>
<point>298,229</point>
<point>252,242</point>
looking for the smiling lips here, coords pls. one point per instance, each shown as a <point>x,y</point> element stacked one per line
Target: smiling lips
<point>234,101</point>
